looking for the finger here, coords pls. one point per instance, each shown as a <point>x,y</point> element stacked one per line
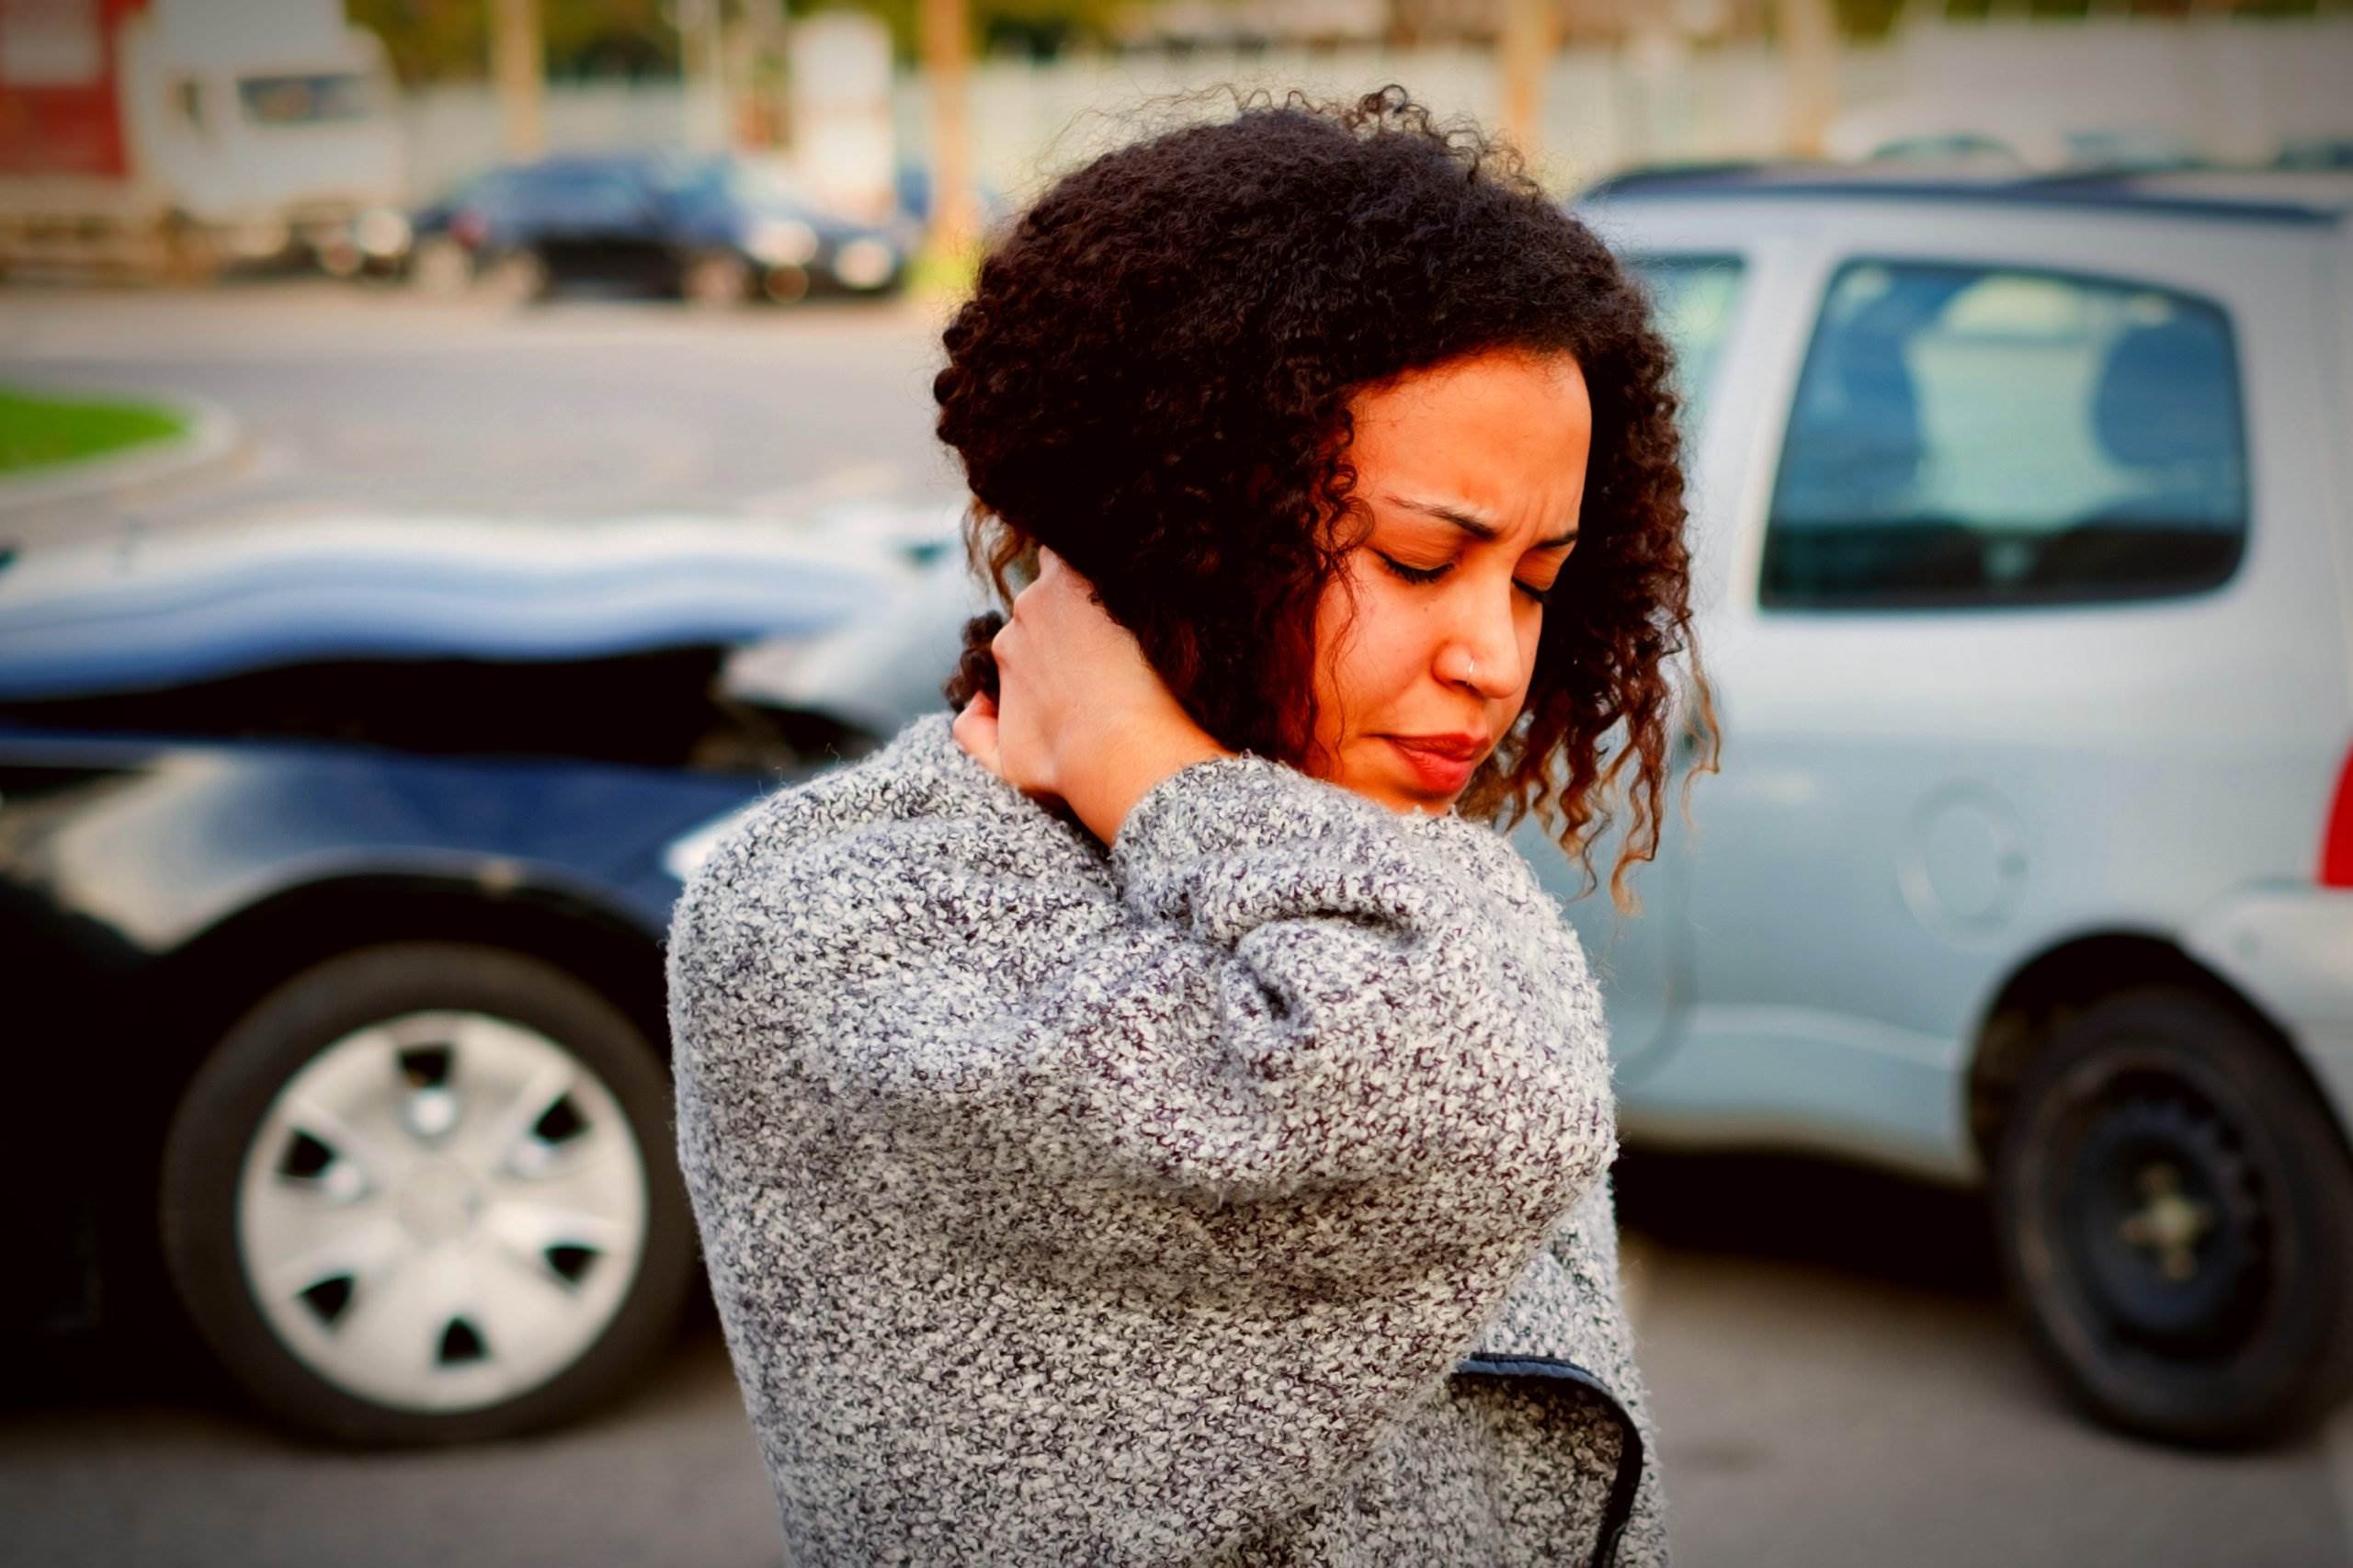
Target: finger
<point>975,730</point>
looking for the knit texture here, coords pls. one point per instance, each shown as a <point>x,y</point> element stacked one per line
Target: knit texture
<point>1065,1205</point>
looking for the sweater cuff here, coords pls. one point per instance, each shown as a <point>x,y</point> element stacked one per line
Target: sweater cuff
<point>1221,806</point>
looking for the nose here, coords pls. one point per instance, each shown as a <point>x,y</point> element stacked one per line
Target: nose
<point>1482,654</point>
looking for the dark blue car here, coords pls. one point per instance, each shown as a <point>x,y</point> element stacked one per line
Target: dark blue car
<point>333,869</point>
<point>714,229</point>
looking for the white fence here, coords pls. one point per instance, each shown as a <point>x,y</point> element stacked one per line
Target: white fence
<point>2232,87</point>
<point>1029,120</point>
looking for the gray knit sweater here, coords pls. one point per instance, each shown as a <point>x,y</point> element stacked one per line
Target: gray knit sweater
<point>1236,1195</point>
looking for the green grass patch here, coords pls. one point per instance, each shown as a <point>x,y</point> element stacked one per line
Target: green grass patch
<point>38,431</point>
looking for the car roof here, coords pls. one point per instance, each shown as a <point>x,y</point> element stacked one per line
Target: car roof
<point>2254,195</point>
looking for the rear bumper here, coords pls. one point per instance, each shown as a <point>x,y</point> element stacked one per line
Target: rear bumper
<point>2289,949</point>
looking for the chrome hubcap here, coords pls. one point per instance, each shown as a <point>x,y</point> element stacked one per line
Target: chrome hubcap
<point>441,1211</point>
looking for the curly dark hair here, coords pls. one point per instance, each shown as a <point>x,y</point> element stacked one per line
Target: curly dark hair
<point>1152,378</point>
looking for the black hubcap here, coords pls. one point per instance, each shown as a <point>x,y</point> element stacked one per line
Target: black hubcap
<point>2165,1218</point>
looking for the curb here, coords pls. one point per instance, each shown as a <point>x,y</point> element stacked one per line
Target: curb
<point>215,442</point>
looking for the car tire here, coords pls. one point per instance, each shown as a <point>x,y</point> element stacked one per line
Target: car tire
<point>2174,1210</point>
<point>383,1237</point>
<point>192,255</point>
<point>717,280</point>
<point>517,277</point>
<point>441,268</point>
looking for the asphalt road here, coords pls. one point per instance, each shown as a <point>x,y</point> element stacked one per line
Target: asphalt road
<point>379,402</point>
<point>1835,1377</point>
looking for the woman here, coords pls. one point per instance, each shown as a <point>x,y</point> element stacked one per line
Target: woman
<point>1149,1114</point>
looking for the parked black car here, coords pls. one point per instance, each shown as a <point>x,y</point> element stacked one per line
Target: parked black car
<point>714,228</point>
<point>333,868</point>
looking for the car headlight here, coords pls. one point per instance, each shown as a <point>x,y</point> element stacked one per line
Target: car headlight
<point>382,233</point>
<point>780,242</point>
<point>865,263</point>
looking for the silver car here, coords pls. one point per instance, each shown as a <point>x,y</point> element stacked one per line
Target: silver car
<point>2023,521</point>
<point>2024,529</point>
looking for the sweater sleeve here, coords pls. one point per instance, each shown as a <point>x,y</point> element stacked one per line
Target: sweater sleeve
<point>1295,991</point>
<point>1382,1003</point>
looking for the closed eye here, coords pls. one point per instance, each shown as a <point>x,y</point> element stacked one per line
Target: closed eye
<point>1415,574</point>
<point>1432,573</point>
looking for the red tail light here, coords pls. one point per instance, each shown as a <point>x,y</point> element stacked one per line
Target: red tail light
<point>2337,845</point>
<point>468,228</point>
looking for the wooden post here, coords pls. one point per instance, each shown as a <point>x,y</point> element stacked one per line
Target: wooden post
<point>700,58</point>
<point>1526,48</point>
<point>518,62</point>
<point>1810,42</point>
<point>947,60</point>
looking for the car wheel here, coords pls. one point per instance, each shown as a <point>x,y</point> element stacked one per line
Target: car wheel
<point>191,253</point>
<point>517,277</point>
<point>423,1193</point>
<point>716,280</point>
<point>442,268</point>
<point>2175,1216</point>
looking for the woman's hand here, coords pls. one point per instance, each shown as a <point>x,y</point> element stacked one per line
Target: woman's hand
<point>1080,713</point>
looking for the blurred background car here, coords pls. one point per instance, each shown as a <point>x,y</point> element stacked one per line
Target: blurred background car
<point>714,229</point>
<point>2018,136</point>
<point>334,865</point>
<point>148,138</point>
<point>2022,532</point>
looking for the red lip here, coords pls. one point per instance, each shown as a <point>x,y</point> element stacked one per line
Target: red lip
<point>1442,764</point>
<point>1454,748</point>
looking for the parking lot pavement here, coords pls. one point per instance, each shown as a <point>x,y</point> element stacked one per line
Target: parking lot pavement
<point>669,1478</point>
<point>1836,1381</point>
<point>374,401</point>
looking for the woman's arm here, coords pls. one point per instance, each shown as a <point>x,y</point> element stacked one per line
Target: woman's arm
<point>1364,1007</point>
<point>1293,987</point>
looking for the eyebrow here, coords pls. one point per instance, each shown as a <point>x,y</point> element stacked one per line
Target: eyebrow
<point>1471,522</point>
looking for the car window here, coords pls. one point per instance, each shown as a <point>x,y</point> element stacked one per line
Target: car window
<point>580,199</point>
<point>740,182</point>
<point>1968,436</point>
<point>1692,299</point>
<point>300,99</point>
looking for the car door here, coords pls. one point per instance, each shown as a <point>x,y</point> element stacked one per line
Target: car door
<point>1987,619</point>
<point>1697,294</point>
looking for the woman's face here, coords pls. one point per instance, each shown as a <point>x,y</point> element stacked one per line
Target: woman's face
<point>1473,472</point>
